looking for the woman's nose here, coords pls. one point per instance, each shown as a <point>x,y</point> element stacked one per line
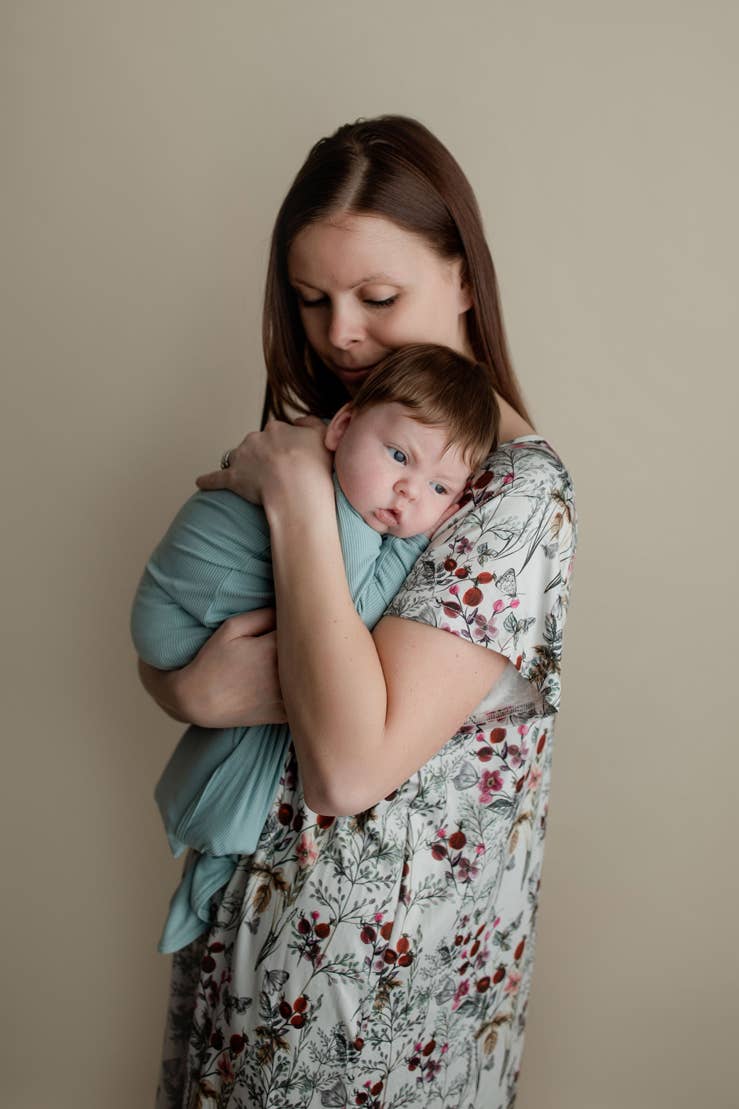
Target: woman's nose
<point>345,327</point>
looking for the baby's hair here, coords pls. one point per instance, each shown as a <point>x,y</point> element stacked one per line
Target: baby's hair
<point>440,387</point>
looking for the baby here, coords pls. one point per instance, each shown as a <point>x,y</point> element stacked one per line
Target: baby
<point>404,448</point>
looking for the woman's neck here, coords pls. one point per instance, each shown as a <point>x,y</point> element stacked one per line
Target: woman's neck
<point>511,424</point>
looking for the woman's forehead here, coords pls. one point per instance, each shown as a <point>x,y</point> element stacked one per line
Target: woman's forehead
<point>350,250</point>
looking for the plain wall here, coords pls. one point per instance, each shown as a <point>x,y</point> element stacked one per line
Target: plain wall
<point>146,147</point>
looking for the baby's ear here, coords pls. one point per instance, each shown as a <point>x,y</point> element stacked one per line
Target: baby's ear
<point>337,427</point>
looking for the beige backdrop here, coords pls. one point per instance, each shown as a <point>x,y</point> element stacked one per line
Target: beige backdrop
<point>146,147</point>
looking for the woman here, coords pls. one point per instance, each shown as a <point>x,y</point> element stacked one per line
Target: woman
<point>377,948</point>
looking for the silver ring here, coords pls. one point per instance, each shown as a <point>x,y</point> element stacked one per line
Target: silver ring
<point>226,459</point>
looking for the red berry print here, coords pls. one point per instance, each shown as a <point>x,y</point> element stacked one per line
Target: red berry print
<point>285,814</point>
<point>322,930</point>
<point>472,596</point>
<point>497,735</point>
<point>484,577</point>
<point>484,479</point>
<point>457,840</point>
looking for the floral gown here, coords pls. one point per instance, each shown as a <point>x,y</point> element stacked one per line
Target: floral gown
<point>385,959</point>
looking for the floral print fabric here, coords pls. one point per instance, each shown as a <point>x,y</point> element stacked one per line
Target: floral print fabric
<point>385,959</point>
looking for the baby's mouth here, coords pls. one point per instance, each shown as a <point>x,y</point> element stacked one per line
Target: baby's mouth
<point>388,516</point>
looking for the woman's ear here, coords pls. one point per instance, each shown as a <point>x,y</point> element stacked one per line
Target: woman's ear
<point>337,427</point>
<point>463,287</point>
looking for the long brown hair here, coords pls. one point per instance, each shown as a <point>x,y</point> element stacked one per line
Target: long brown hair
<point>389,166</point>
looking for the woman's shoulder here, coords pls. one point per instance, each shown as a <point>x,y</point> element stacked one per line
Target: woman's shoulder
<point>520,472</point>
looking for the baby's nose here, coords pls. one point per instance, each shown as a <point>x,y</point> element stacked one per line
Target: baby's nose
<point>406,487</point>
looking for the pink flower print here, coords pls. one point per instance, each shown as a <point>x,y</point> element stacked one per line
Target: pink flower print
<point>514,604</point>
<point>444,1048</point>
<point>497,606</point>
<point>508,478</point>
<point>522,729</point>
<point>514,756</point>
<point>466,871</point>
<point>454,590</point>
<point>432,1069</point>
<point>306,851</point>
<point>491,782</point>
<point>480,849</point>
<point>535,776</point>
<point>462,989</point>
<point>484,629</point>
<point>224,1067</point>
<point>441,833</point>
<point>315,914</point>
<point>511,986</point>
<point>463,545</point>
<point>378,918</point>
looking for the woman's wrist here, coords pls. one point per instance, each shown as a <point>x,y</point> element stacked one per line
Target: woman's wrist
<point>298,499</point>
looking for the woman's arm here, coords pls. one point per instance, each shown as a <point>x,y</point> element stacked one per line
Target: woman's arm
<point>366,710</point>
<point>231,682</point>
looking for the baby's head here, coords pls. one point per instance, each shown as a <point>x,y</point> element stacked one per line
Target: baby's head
<point>405,445</point>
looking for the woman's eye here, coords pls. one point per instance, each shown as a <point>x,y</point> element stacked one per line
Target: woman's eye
<point>440,489</point>
<point>398,455</point>
<point>382,303</point>
<point>311,303</point>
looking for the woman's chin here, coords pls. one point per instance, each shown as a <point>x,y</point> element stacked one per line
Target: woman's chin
<point>352,379</point>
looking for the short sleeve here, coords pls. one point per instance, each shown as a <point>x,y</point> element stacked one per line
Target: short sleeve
<point>499,572</point>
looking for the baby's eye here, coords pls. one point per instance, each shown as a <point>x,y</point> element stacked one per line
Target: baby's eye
<point>440,489</point>
<point>398,455</point>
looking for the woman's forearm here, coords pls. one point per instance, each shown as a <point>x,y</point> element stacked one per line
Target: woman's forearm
<point>231,682</point>
<point>332,680</point>
<point>164,687</point>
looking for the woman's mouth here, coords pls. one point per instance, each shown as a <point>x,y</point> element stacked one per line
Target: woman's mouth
<point>352,371</point>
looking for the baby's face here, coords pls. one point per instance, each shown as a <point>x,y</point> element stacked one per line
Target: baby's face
<point>393,470</point>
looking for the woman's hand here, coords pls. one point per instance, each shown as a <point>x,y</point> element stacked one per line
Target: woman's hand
<point>267,462</point>
<point>231,682</point>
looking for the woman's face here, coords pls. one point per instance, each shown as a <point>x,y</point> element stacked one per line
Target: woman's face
<point>366,287</point>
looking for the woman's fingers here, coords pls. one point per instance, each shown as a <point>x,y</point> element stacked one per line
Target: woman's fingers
<point>216,479</point>
<point>258,622</point>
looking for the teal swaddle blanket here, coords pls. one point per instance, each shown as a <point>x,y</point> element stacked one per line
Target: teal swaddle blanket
<point>217,788</point>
